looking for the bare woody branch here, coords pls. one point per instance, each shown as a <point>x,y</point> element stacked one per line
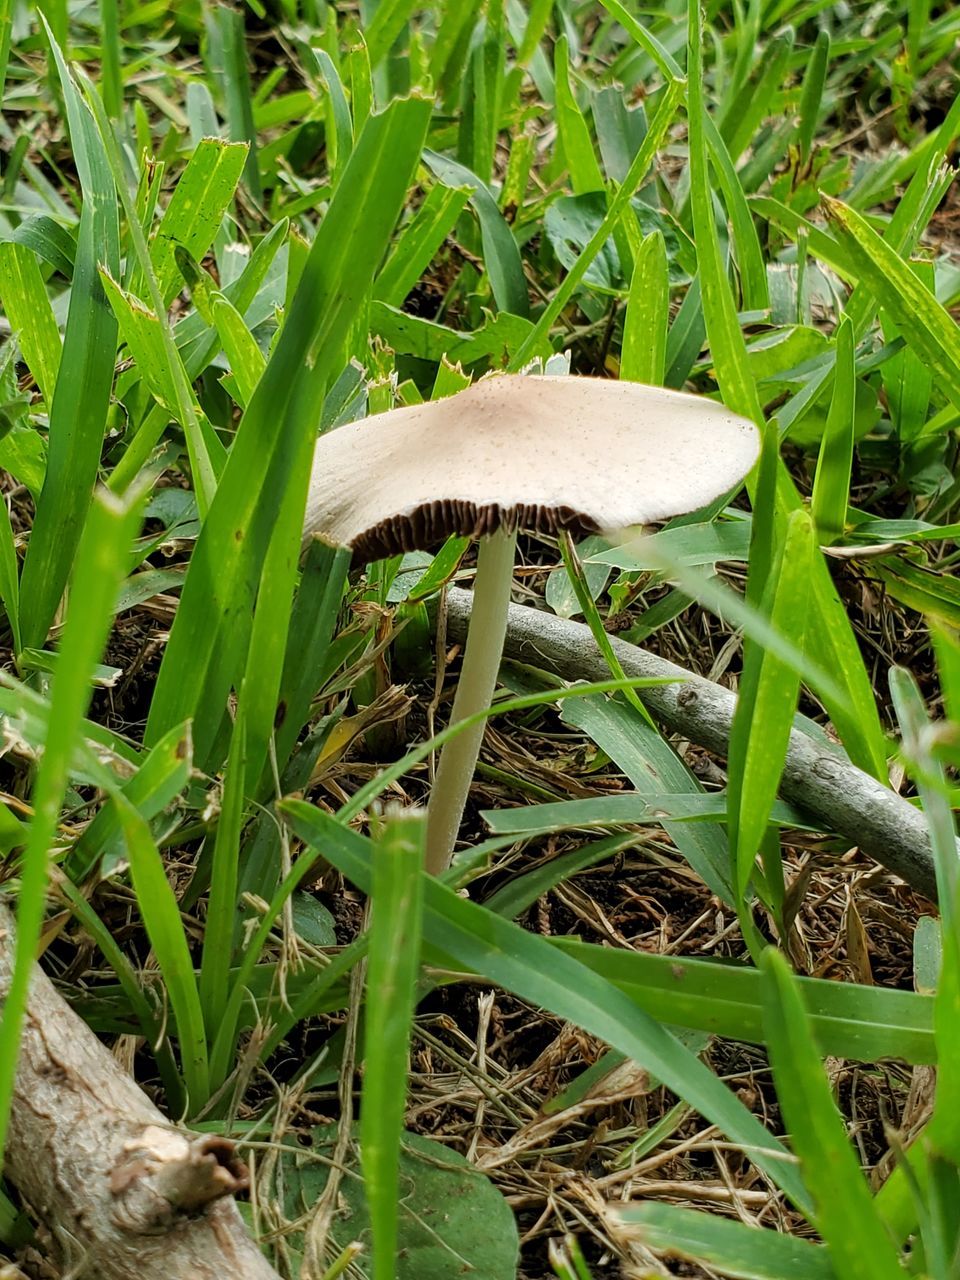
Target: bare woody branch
<point>824,783</point>
<point>123,1192</point>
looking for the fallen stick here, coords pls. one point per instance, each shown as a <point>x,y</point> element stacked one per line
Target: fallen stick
<point>124,1193</point>
<point>834,792</point>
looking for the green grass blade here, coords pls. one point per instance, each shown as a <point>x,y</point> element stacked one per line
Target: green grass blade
<point>812,94</point>
<point>419,242</point>
<point>81,399</point>
<point>111,58</point>
<point>312,625</point>
<point>268,468</point>
<point>582,164</point>
<point>192,218</point>
<point>944,1127</point>
<point>753,271</point>
<point>732,1248</point>
<point>10,576</point>
<point>27,307</point>
<point>247,361</point>
<point>99,568</point>
<point>161,917</point>
<point>393,966</point>
<point>727,347</point>
<point>147,1014</point>
<point>464,935</point>
<point>669,67</point>
<point>644,354</point>
<point>388,22</point>
<point>767,703</point>
<point>501,256</point>
<point>831,486</point>
<point>227,52</point>
<point>844,1211</point>
<point>616,208</point>
<point>162,775</point>
<point>651,764</point>
<point>850,1021</point>
<point>221,918</point>
<point>927,327</point>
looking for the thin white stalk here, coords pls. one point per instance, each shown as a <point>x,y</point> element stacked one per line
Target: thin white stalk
<point>478,678</point>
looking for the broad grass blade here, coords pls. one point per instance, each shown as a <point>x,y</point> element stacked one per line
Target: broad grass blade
<point>844,1211</point>
<point>733,1248</point>
<point>161,918</point>
<point>268,468</point>
<point>849,1021</point>
<point>767,703</point>
<point>27,307</point>
<point>393,967</point>
<point>462,935</point>
<point>100,564</point>
<point>78,412</point>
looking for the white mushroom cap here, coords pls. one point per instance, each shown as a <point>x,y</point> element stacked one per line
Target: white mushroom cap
<point>539,452</point>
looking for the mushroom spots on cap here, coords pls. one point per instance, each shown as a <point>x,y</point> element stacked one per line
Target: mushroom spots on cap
<point>545,453</point>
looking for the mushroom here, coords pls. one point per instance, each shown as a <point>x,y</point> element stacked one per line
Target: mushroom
<point>512,451</point>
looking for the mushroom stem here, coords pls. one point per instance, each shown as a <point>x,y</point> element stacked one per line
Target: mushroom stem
<point>478,678</point>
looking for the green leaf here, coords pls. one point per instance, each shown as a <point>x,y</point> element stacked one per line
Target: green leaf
<point>651,764</point>
<point>927,327</point>
<point>222,902</point>
<point>452,1220</point>
<point>162,775</point>
<point>585,174</point>
<point>161,918</point>
<point>850,1021</point>
<point>247,361</point>
<point>844,1212</point>
<point>616,208</point>
<point>501,256</point>
<point>727,348</point>
<point>419,242</point>
<point>644,353</point>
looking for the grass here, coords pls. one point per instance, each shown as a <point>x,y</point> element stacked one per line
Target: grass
<point>222,231</point>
